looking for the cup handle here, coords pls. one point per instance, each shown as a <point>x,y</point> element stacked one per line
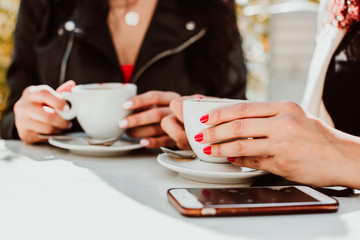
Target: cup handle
<point>69,114</point>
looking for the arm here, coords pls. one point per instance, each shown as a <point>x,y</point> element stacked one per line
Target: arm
<point>31,108</point>
<point>22,71</point>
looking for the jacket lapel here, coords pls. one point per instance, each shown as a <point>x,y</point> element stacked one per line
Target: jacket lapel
<point>327,41</point>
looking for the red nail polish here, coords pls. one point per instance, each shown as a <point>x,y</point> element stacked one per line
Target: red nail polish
<point>231,159</point>
<point>199,137</point>
<point>199,97</point>
<point>204,118</point>
<point>205,193</point>
<point>207,150</point>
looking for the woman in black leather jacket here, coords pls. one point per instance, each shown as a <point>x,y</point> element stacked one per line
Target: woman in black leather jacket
<point>185,47</point>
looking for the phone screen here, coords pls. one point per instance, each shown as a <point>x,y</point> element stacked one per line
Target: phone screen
<point>250,201</point>
<point>229,196</point>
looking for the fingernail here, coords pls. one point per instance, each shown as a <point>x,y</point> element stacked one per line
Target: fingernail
<point>199,137</point>
<point>207,150</point>
<point>70,125</point>
<point>231,159</point>
<point>144,142</point>
<point>205,193</point>
<point>204,118</point>
<point>199,97</point>
<point>128,104</point>
<point>66,87</point>
<point>123,123</point>
<point>66,108</point>
<point>48,109</point>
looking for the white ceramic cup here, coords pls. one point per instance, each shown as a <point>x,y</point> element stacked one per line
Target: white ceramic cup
<point>98,107</point>
<point>193,110</point>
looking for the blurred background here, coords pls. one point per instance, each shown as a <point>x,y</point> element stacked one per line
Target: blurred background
<point>8,14</point>
<point>278,40</point>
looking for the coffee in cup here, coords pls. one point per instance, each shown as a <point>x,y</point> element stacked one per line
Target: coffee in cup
<point>98,107</point>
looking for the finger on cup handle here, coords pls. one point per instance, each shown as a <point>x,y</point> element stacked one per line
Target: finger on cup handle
<point>66,87</point>
<point>249,109</point>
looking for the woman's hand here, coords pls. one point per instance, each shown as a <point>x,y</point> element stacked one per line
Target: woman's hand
<point>279,137</point>
<point>149,109</point>
<point>35,112</point>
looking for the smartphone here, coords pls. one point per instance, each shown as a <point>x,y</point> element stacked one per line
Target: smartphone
<point>196,202</point>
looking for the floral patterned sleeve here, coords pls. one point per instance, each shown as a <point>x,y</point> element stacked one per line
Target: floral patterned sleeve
<point>344,13</point>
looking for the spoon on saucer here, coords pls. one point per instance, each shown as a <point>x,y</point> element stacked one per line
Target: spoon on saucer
<point>178,154</point>
<point>91,141</point>
<point>101,142</point>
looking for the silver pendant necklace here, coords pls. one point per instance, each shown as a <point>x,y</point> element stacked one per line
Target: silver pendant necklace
<point>132,18</point>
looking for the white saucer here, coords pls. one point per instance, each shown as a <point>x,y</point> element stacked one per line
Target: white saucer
<point>201,171</point>
<point>81,146</point>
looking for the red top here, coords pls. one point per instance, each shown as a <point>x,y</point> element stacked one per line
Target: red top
<point>127,71</point>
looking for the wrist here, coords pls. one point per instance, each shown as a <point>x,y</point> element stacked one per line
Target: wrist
<point>348,162</point>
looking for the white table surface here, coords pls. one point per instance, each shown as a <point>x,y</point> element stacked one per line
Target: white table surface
<point>48,193</point>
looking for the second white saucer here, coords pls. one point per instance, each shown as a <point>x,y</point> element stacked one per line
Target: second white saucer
<point>201,171</point>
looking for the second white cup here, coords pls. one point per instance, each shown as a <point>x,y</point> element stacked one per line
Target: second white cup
<point>193,110</point>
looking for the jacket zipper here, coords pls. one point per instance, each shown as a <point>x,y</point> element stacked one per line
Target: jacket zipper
<point>65,59</point>
<point>71,28</point>
<point>169,52</point>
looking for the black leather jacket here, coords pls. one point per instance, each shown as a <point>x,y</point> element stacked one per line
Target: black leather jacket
<point>341,87</point>
<point>49,49</point>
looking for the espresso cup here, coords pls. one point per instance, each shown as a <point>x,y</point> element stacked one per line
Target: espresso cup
<point>98,107</point>
<point>193,110</point>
